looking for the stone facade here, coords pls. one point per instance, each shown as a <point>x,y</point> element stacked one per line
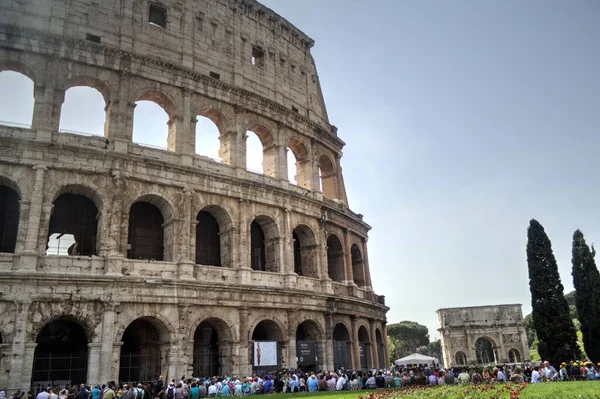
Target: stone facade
<point>245,68</point>
<point>483,335</point>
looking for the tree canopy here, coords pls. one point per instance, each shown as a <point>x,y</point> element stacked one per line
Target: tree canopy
<point>406,337</point>
<point>553,325</point>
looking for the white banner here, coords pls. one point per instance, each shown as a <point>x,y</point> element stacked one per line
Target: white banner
<point>265,353</point>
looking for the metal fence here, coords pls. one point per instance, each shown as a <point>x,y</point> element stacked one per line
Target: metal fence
<point>52,368</point>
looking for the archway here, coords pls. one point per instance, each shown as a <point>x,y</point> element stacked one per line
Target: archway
<point>261,153</point>
<point>73,226</point>
<point>207,138</point>
<point>380,349</point>
<point>328,177</point>
<point>144,350</point>
<point>335,258</point>
<point>266,353</point>
<point>150,234</point>
<point>305,252</point>
<point>16,109</point>
<point>61,354</point>
<point>364,348</point>
<point>514,356</point>
<point>341,347</point>
<point>299,165</point>
<point>358,266</point>
<point>264,241</point>
<point>208,240</point>
<point>83,112</point>
<point>460,358</point>
<point>212,348</point>
<point>291,167</point>
<point>254,153</point>
<point>308,345</point>
<point>153,120</point>
<point>484,350</point>
<point>9,218</point>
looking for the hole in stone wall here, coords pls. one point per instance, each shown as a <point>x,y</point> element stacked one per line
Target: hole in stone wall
<point>207,138</point>
<point>215,75</point>
<point>9,219</point>
<point>16,109</point>
<point>73,226</point>
<point>254,153</point>
<point>291,166</point>
<point>92,38</point>
<point>258,56</point>
<point>150,125</point>
<point>157,15</point>
<point>83,112</point>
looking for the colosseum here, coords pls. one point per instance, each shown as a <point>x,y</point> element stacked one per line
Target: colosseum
<point>178,264</point>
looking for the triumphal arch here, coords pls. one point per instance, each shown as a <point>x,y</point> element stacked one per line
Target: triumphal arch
<point>176,264</point>
<point>483,335</point>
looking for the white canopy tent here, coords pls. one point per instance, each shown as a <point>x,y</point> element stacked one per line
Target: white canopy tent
<point>415,358</point>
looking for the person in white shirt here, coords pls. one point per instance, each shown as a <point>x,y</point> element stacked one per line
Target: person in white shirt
<point>500,376</point>
<point>340,383</point>
<point>43,395</point>
<point>549,371</point>
<point>212,390</point>
<point>536,376</point>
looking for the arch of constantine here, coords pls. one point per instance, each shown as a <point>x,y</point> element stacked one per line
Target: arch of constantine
<point>483,335</point>
<point>175,263</point>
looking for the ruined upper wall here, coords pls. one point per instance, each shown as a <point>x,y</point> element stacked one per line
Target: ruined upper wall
<point>240,42</point>
<point>480,315</point>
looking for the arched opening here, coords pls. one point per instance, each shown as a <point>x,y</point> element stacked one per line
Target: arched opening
<point>308,345</point>
<point>514,356</point>
<point>335,258</point>
<point>264,242</point>
<point>83,112</point>
<point>9,218</point>
<point>149,235</point>
<point>341,347</point>
<point>73,226</point>
<point>144,350</point>
<point>291,167</point>
<point>460,358</point>
<point>266,353</point>
<point>305,252</point>
<point>299,165</point>
<point>380,349</point>
<point>364,348</point>
<point>358,266</point>
<point>207,138</point>
<point>16,109</point>
<point>328,177</point>
<point>61,354</point>
<point>212,348</point>
<point>208,240</point>
<point>152,125</point>
<point>254,153</point>
<point>484,350</point>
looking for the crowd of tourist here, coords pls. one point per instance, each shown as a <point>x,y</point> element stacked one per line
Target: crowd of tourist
<point>293,381</point>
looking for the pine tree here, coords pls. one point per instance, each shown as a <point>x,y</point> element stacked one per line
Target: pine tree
<point>554,327</point>
<point>586,281</point>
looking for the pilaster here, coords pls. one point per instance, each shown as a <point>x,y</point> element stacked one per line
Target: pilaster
<point>30,254</point>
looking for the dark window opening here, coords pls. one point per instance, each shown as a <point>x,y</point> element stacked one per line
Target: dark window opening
<point>146,233</point>
<point>60,357</point>
<point>140,353</point>
<point>257,251</point>
<point>157,15</point>
<point>341,347</point>
<point>335,259</point>
<point>73,226</point>
<point>358,269</point>
<point>9,219</point>
<point>294,109</point>
<point>207,358</point>
<point>92,38</point>
<point>258,56</point>
<point>297,254</point>
<point>208,241</point>
<point>215,75</point>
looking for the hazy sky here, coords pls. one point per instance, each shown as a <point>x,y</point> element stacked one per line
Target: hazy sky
<point>463,120</point>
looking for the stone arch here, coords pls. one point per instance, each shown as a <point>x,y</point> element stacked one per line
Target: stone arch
<point>309,330</point>
<point>215,115</point>
<point>205,144</point>
<point>274,327</point>
<point>75,218</point>
<point>266,330</point>
<point>310,344</point>
<point>358,265</point>
<point>168,104</point>
<point>18,80</point>
<point>335,258</point>
<point>264,244</point>
<point>364,347</point>
<point>460,358</point>
<point>514,356</point>
<point>328,175</point>
<point>89,81</point>
<point>220,240</point>
<point>341,346</point>
<point>380,345</point>
<point>19,67</point>
<point>148,230</point>
<point>305,251</point>
<point>303,164</point>
<point>269,149</point>
<point>73,91</point>
<point>86,189</point>
<point>10,213</point>
<point>213,341</point>
<point>87,314</point>
<point>485,350</point>
<point>145,348</point>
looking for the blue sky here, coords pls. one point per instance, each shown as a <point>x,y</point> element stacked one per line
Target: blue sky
<point>463,120</point>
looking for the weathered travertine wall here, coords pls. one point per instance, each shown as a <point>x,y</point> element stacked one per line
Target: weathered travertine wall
<point>244,67</point>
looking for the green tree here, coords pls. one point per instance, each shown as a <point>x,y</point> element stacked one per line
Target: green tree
<point>586,281</point>
<point>530,330</point>
<point>406,337</point>
<point>554,328</point>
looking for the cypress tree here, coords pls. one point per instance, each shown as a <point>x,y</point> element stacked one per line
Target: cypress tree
<point>554,327</point>
<point>586,281</point>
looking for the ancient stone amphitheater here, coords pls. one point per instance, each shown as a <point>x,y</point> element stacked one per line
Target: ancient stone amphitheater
<point>178,264</point>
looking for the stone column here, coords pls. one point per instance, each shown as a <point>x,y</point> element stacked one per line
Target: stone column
<point>120,130</point>
<point>19,361</point>
<point>229,148</point>
<point>107,345</point>
<point>44,227</point>
<point>282,172</point>
<point>244,361</point>
<point>374,345</point>
<point>58,99</point>
<point>348,257</point>
<point>471,354</point>
<point>386,356</point>
<point>292,323</point>
<point>186,265</point>
<point>271,156</point>
<point>503,358</point>
<point>24,207</point>
<point>365,252</point>
<point>29,254</point>
<point>354,343</point>
<point>113,235</point>
<point>112,118</point>
<point>41,107</point>
<point>328,357</point>
<point>93,370</point>
<point>243,262</point>
<point>287,248</point>
<point>116,360</point>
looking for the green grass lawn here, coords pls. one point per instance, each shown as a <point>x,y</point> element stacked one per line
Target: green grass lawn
<point>554,390</point>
